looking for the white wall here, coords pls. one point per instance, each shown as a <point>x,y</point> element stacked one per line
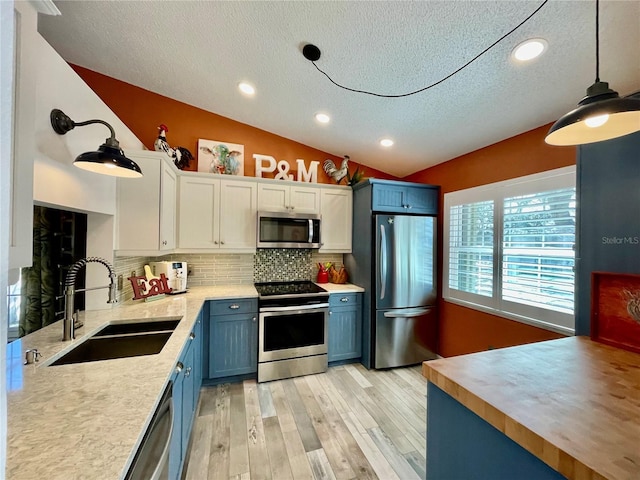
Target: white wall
<point>56,180</point>
<point>6,140</point>
<point>57,183</point>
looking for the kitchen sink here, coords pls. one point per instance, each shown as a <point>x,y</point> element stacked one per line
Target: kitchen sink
<point>98,348</point>
<point>138,327</point>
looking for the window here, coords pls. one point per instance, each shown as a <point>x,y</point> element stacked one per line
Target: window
<point>509,248</point>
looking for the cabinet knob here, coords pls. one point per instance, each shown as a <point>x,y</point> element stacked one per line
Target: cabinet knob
<point>164,242</point>
<point>192,336</point>
<point>292,207</point>
<point>187,372</point>
<point>179,367</point>
<point>344,299</point>
<point>221,243</point>
<point>215,242</point>
<point>253,319</point>
<point>409,206</point>
<point>234,306</point>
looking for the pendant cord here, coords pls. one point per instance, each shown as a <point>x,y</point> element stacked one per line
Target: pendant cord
<point>443,79</point>
<point>597,41</point>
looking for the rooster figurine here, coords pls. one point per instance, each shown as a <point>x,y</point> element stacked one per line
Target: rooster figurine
<point>336,173</point>
<point>181,156</point>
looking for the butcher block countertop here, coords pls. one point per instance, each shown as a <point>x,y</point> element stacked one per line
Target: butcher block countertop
<point>572,402</point>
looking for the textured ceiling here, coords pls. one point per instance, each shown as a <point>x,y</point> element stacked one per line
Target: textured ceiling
<point>197,52</point>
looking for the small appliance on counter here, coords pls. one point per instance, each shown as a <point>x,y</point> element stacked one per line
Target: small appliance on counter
<point>176,273</point>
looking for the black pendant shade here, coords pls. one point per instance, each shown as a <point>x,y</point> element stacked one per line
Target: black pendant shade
<point>109,159</point>
<point>601,115</point>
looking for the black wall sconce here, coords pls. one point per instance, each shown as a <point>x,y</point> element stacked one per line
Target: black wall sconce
<point>108,160</point>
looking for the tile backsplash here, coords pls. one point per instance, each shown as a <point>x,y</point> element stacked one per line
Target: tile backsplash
<point>266,265</point>
<point>125,266</point>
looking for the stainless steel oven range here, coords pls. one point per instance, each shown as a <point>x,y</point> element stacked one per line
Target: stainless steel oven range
<point>293,329</point>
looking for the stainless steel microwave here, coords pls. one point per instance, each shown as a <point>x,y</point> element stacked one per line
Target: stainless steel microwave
<point>288,230</point>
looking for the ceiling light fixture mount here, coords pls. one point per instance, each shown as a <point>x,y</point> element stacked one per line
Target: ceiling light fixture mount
<point>311,52</point>
<point>601,115</point>
<point>109,159</point>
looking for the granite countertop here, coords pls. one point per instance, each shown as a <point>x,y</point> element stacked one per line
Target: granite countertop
<point>83,421</point>
<point>572,402</point>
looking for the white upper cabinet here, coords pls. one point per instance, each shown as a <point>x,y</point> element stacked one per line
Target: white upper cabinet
<point>337,216</point>
<point>238,219</point>
<point>23,134</point>
<point>146,207</point>
<point>280,197</point>
<point>217,214</point>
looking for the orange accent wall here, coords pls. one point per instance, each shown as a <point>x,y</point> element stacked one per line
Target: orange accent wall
<point>142,111</point>
<point>465,330</point>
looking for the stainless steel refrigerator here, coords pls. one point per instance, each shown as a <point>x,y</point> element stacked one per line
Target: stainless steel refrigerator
<point>403,293</point>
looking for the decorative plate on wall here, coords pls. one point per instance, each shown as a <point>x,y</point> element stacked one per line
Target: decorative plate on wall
<point>615,309</point>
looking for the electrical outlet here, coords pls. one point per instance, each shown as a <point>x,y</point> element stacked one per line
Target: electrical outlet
<point>120,281</point>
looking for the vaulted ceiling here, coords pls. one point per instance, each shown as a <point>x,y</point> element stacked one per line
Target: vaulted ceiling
<point>198,51</point>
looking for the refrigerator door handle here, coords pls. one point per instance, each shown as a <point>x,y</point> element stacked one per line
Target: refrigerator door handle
<point>407,314</point>
<point>383,261</point>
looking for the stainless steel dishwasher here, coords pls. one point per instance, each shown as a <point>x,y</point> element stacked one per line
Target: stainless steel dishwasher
<point>151,461</point>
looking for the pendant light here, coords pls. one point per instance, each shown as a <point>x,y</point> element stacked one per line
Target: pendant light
<point>109,159</point>
<point>601,115</point>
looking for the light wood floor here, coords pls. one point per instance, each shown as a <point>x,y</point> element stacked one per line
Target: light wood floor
<point>347,423</point>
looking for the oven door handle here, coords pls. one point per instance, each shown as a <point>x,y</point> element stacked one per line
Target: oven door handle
<point>314,306</point>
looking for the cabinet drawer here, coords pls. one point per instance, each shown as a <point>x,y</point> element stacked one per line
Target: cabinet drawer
<point>337,300</point>
<point>233,306</point>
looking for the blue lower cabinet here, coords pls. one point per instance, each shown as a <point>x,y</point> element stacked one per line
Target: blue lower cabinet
<point>461,445</point>
<point>233,338</point>
<point>345,327</point>
<point>188,407</point>
<point>187,379</point>
<point>198,355</point>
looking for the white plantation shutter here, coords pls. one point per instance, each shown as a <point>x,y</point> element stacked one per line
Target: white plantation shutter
<point>471,248</point>
<point>537,249</point>
<point>509,248</point>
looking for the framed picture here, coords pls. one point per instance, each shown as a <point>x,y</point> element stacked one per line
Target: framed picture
<point>220,157</point>
<point>615,309</point>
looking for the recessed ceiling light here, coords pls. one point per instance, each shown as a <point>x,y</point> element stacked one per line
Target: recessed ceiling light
<point>529,49</point>
<point>386,142</point>
<point>323,118</point>
<point>246,88</point>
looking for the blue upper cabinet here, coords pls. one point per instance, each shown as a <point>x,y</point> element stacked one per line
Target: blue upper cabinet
<point>400,197</point>
<point>233,337</point>
<point>608,198</point>
<point>345,326</point>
